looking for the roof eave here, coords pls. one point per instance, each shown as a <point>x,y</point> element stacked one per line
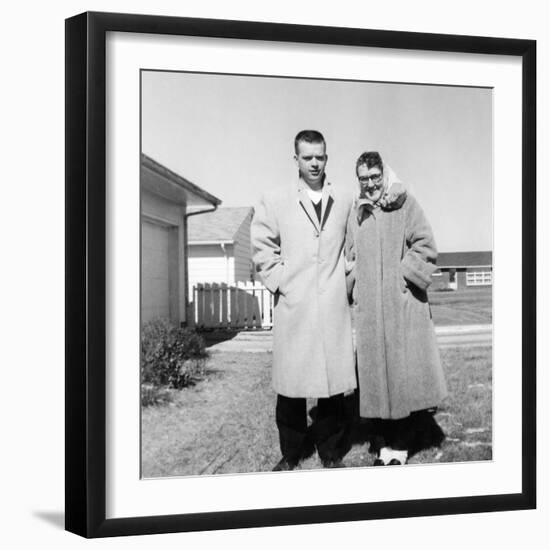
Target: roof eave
<point>158,168</point>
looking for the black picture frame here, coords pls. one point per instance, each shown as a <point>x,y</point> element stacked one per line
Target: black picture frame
<point>86,273</point>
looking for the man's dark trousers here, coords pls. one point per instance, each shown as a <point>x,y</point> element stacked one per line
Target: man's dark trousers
<point>330,432</point>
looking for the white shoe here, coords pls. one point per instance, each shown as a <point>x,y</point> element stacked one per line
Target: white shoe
<point>392,457</point>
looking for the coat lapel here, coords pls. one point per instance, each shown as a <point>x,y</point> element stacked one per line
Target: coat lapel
<point>363,208</point>
<point>328,199</point>
<point>307,205</point>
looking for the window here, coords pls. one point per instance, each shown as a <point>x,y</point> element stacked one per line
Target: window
<point>479,278</point>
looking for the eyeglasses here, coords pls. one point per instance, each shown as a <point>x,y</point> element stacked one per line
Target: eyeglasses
<point>374,178</point>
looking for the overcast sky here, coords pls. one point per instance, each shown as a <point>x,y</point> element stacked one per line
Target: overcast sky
<point>234,136</point>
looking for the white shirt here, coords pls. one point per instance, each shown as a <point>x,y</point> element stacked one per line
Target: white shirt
<point>315,196</point>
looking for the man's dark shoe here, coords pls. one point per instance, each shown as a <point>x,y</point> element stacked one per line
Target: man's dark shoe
<point>284,465</point>
<point>395,462</point>
<point>333,463</point>
<point>378,462</point>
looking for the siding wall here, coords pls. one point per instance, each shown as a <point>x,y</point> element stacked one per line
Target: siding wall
<point>243,254</point>
<point>207,264</point>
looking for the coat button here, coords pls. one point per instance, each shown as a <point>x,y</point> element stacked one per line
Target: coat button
<point>316,235</point>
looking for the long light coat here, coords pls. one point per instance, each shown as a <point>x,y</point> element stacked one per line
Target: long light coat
<point>393,255</point>
<point>301,261</point>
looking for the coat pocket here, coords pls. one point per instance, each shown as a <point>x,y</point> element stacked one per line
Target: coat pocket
<point>403,283</point>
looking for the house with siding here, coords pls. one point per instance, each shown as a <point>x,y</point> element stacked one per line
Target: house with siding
<point>219,247</point>
<point>168,202</point>
<point>463,270</point>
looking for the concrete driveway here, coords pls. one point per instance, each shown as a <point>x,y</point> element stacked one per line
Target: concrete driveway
<point>259,341</point>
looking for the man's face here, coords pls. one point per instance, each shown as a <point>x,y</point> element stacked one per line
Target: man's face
<point>371,182</point>
<point>311,160</point>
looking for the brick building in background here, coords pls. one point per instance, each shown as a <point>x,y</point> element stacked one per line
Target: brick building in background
<point>463,270</point>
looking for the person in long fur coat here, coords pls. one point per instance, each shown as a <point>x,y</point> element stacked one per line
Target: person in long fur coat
<point>391,256</point>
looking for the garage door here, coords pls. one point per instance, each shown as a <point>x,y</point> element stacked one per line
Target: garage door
<point>155,280</point>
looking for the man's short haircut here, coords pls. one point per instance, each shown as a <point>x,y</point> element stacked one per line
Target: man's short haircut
<point>371,159</point>
<point>309,136</point>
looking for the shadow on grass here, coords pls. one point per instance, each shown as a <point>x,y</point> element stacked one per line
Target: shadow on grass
<point>423,431</point>
<point>212,337</point>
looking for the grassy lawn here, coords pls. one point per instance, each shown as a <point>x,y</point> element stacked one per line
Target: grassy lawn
<point>226,424</point>
<point>462,307</point>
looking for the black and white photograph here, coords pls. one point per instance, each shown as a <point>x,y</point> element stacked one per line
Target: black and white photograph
<point>316,274</point>
<point>254,254</point>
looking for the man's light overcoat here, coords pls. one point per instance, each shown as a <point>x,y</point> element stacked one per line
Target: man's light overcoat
<point>301,261</point>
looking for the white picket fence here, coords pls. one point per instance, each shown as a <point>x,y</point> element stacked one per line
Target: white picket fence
<point>243,306</point>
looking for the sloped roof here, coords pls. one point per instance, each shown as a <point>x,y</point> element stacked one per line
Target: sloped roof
<point>218,226</point>
<point>169,177</point>
<point>464,259</point>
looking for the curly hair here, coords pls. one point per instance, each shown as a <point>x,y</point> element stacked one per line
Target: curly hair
<point>371,159</point>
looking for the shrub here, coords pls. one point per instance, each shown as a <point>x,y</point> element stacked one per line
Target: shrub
<point>171,356</point>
